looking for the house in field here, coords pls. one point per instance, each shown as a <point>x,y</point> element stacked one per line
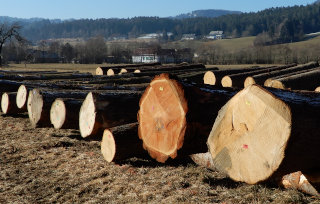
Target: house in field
<point>215,35</point>
<point>150,55</point>
<point>190,36</point>
<point>165,56</point>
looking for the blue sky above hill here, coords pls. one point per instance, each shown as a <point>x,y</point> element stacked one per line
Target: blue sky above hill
<point>77,9</point>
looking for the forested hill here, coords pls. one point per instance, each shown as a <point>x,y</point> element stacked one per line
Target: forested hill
<point>210,13</point>
<point>280,24</point>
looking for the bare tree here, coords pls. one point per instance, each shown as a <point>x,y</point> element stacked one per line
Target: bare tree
<point>7,32</point>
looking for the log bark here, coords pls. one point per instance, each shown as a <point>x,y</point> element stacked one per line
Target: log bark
<point>122,142</point>
<point>215,77</point>
<point>99,112</point>
<point>9,86</point>
<point>64,113</point>
<point>304,81</point>
<point>40,101</point>
<point>263,133</point>
<point>176,116</point>
<point>8,104</point>
<point>238,80</point>
<point>261,78</point>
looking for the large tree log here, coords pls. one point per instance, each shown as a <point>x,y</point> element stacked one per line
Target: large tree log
<point>99,112</point>
<point>173,115</point>
<point>304,81</point>
<point>64,113</point>
<point>237,80</point>
<point>8,103</point>
<point>214,77</point>
<point>261,133</point>
<point>122,142</point>
<point>261,78</point>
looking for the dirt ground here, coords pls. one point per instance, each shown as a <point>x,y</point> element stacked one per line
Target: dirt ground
<point>45,165</point>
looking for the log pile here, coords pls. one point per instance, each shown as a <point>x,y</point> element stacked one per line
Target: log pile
<point>169,113</point>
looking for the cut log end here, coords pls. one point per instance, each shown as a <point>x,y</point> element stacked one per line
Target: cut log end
<point>110,72</point>
<point>268,82</point>
<point>249,81</point>
<point>5,103</point>
<point>317,89</point>
<point>250,135</point>
<point>162,118</point>
<point>108,146</point>
<point>58,113</point>
<point>277,84</point>
<point>99,71</point>
<point>123,71</point>
<point>226,81</point>
<point>137,71</point>
<point>35,104</point>
<point>87,117</point>
<point>209,78</point>
<point>22,96</point>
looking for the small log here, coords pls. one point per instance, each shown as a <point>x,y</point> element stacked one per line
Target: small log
<point>40,101</point>
<point>214,77</point>
<point>317,89</point>
<point>261,78</point>
<point>238,80</point>
<point>173,115</point>
<point>304,81</point>
<point>298,181</point>
<point>122,142</point>
<point>99,112</point>
<point>263,133</point>
<point>8,104</point>
<point>22,97</point>
<point>64,113</point>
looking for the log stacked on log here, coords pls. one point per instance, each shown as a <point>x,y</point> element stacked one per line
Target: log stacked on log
<point>303,81</point>
<point>173,115</point>
<point>263,133</point>
<point>110,71</point>
<point>116,141</point>
<point>237,80</point>
<point>261,78</point>
<point>101,111</point>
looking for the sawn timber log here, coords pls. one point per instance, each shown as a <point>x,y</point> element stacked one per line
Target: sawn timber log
<point>174,115</point>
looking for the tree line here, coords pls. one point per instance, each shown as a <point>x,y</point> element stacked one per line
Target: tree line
<point>283,24</point>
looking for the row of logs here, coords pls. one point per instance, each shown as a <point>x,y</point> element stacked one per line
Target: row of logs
<point>252,135</point>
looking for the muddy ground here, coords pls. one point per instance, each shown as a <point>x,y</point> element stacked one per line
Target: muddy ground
<point>45,165</point>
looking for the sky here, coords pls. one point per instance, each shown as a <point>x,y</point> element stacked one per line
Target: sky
<point>93,9</point>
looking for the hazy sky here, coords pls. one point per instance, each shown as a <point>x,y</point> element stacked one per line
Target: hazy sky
<point>65,9</point>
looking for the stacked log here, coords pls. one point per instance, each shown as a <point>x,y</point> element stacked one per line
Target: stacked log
<point>173,115</point>
<point>263,133</point>
<point>113,70</point>
<point>303,81</point>
<point>317,89</point>
<point>64,113</point>
<point>237,80</point>
<point>116,140</point>
<point>101,111</point>
<point>8,103</point>
<point>261,78</point>
<point>214,77</point>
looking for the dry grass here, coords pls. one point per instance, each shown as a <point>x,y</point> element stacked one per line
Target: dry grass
<point>57,166</point>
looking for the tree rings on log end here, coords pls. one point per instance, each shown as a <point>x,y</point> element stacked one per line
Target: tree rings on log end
<point>250,135</point>
<point>99,71</point>
<point>87,117</point>
<point>22,96</point>
<point>162,118</point>
<point>5,103</point>
<point>58,113</point>
<point>35,105</point>
<point>249,81</point>
<point>108,146</point>
<point>226,81</point>
<point>209,78</point>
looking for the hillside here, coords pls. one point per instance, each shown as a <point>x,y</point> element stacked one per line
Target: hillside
<point>209,13</point>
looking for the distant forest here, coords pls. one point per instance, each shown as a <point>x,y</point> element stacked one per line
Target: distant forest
<point>286,24</point>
